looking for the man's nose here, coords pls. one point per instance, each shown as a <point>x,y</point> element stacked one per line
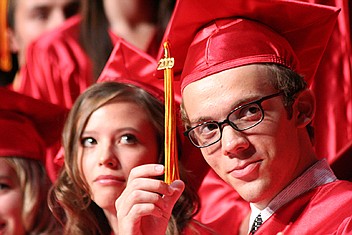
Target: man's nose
<point>232,141</point>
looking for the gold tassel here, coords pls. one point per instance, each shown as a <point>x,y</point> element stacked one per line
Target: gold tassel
<point>171,155</point>
<point>5,55</point>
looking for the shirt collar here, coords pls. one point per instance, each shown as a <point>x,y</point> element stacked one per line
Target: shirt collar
<point>318,174</point>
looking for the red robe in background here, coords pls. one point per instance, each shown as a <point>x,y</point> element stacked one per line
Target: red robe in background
<point>332,87</point>
<point>57,68</point>
<point>322,210</point>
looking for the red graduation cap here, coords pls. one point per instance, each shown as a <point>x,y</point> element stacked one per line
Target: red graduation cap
<point>28,126</point>
<point>210,36</point>
<point>128,64</point>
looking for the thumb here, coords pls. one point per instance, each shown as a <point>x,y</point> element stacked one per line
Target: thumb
<point>176,189</point>
<point>178,185</point>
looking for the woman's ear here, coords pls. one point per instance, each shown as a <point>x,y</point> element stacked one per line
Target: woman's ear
<point>304,108</point>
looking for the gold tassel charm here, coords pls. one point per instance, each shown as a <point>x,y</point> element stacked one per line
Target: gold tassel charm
<point>171,155</point>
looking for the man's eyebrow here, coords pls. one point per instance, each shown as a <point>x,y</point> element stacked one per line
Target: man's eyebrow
<point>201,120</point>
<point>234,105</point>
<point>246,100</point>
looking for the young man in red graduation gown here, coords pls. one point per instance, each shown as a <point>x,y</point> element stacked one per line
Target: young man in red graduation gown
<point>246,105</point>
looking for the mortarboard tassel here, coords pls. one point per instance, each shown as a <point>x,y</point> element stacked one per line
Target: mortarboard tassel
<point>5,55</point>
<point>171,155</point>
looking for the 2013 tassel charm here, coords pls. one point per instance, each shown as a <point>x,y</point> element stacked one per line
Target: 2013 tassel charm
<point>171,154</point>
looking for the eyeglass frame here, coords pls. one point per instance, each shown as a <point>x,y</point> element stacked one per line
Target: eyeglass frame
<point>227,120</point>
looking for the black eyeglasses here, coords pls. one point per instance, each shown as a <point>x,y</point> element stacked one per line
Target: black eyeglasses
<point>241,118</point>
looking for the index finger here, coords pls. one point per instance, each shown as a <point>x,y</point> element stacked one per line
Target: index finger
<point>146,171</point>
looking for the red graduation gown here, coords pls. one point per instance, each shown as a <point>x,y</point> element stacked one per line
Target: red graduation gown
<point>57,68</point>
<point>345,227</point>
<point>332,86</point>
<point>194,228</point>
<point>222,208</point>
<point>322,210</point>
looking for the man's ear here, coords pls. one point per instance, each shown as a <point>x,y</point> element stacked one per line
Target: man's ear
<point>304,108</point>
<point>14,47</point>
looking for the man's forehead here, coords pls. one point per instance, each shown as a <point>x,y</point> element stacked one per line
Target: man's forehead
<point>242,79</point>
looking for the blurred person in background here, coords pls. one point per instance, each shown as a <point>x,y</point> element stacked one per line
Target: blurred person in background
<point>27,20</point>
<point>63,64</point>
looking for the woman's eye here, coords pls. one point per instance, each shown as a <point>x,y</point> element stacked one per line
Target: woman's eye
<point>88,142</point>
<point>128,139</point>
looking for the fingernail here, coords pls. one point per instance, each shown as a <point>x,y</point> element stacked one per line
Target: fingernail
<point>177,184</point>
<point>159,168</point>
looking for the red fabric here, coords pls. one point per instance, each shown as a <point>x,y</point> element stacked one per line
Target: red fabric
<point>194,228</point>
<point>222,208</point>
<point>342,165</point>
<point>128,64</point>
<point>28,125</point>
<point>214,50</point>
<point>18,137</point>
<point>57,68</point>
<point>332,86</point>
<point>345,227</point>
<point>322,210</point>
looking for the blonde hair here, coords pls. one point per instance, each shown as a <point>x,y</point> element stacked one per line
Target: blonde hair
<point>34,184</point>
